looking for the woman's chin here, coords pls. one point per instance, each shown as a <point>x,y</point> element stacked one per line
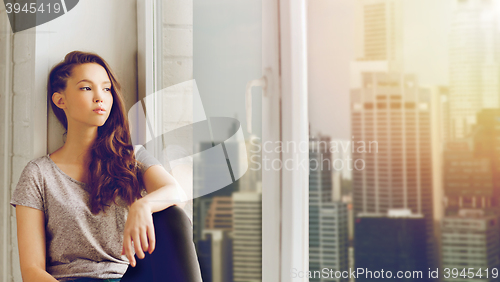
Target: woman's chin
<point>98,124</point>
<point>101,122</point>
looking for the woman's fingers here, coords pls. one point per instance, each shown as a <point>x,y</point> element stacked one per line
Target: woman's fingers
<point>127,247</point>
<point>151,237</point>
<point>144,240</point>
<point>137,245</point>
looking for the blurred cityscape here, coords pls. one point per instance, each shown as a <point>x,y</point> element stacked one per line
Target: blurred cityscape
<point>417,188</point>
<point>428,196</point>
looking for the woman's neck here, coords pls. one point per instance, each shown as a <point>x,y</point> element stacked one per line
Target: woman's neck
<point>76,149</point>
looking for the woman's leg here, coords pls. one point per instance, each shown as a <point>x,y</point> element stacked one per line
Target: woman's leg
<point>174,257</point>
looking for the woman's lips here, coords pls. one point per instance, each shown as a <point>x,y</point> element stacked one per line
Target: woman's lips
<point>100,111</point>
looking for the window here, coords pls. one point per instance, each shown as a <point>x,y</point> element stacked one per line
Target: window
<point>235,47</point>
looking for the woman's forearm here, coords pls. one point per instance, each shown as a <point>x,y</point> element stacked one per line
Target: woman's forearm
<point>36,274</point>
<point>163,198</point>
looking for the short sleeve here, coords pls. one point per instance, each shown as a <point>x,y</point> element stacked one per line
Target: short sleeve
<point>145,158</point>
<point>29,189</point>
<point>178,155</point>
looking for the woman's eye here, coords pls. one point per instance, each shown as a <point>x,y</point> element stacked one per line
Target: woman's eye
<point>107,89</point>
<point>85,88</point>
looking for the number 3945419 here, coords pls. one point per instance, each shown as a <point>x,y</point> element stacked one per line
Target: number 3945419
<point>33,8</point>
<point>470,273</point>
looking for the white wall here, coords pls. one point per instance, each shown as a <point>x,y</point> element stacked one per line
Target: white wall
<point>5,149</point>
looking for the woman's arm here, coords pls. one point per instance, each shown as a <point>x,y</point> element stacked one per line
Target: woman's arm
<point>163,189</point>
<point>31,242</point>
<point>163,192</point>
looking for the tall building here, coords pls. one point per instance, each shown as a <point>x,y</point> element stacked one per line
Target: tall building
<point>474,63</point>
<point>391,137</point>
<point>472,166</point>
<point>392,159</point>
<point>215,254</point>
<point>201,206</point>
<point>215,243</point>
<point>328,229</point>
<point>211,172</point>
<point>470,241</point>
<point>470,232</point>
<point>220,214</point>
<point>468,180</point>
<point>247,236</point>
<point>320,170</point>
<point>341,155</point>
<point>328,239</point>
<point>382,30</point>
<point>392,242</point>
<point>379,38</point>
<point>487,144</point>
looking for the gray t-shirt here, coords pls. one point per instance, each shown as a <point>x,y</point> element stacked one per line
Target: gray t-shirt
<point>78,243</point>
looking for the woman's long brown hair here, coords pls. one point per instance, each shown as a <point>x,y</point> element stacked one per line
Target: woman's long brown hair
<point>113,169</point>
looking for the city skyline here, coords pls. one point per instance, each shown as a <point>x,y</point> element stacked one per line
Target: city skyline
<point>332,48</point>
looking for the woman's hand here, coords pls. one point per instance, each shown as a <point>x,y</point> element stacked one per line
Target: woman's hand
<point>139,228</point>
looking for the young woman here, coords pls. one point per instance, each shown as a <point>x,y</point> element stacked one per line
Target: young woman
<point>83,210</point>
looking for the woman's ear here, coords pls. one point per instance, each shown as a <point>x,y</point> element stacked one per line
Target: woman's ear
<point>58,99</point>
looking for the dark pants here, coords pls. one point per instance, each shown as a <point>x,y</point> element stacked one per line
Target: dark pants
<point>174,257</point>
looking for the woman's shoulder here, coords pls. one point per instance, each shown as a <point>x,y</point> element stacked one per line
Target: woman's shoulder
<point>36,162</point>
<point>37,166</point>
<point>39,161</point>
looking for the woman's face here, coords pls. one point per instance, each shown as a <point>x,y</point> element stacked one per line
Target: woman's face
<point>87,98</point>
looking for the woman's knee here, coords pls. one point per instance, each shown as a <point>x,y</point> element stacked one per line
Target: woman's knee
<point>175,252</point>
<point>174,219</point>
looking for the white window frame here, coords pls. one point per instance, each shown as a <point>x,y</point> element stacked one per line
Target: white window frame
<point>294,128</point>
<point>271,179</point>
<point>149,78</point>
<point>285,198</point>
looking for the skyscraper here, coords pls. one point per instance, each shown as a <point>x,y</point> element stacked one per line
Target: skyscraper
<point>468,180</point>
<point>215,244</point>
<point>392,242</point>
<point>470,241</point>
<point>328,238</point>
<point>382,30</point>
<point>470,233</point>
<point>341,154</point>
<point>474,63</point>
<point>379,37</point>
<point>220,214</point>
<point>392,159</point>
<point>214,176</point>
<point>247,234</point>
<point>472,166</point>
<point>391,139</point>
<point>215,254</point>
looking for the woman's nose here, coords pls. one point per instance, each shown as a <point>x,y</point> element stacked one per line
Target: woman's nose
<point>98,96</point>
